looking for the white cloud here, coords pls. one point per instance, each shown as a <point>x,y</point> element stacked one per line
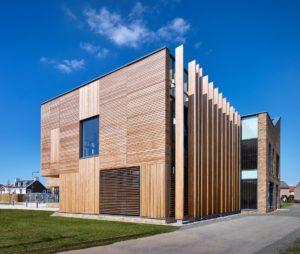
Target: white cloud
<point>133,32</point>
<point>94,49</point>
<point>137,10</point>
<point>114,28</point>
<point>198,44</point>
<point>69,13</point>
<point>68,66</point>
<point>174,30</point>
<point>44,59</point>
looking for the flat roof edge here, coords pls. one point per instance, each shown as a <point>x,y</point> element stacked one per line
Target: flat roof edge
<point>106,74</point>
<point>263,112</point>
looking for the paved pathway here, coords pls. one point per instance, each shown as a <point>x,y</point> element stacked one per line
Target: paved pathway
<point>241,234</point>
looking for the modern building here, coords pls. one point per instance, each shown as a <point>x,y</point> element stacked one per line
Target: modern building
<point>24,187</point>
<point>150,139</point>
<point>260,162</point>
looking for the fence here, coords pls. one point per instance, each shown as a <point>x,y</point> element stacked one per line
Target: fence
<point>40,197</point>
<point>10,198</point>
<point>30,198</point>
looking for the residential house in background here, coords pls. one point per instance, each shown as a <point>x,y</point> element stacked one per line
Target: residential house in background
<point>2,189</point>
<point>292,190</point>
<point>297,193</point>
<point>260,162</point>
<point>150,139</point>
<point>284,189</point>
<point>25,186</point>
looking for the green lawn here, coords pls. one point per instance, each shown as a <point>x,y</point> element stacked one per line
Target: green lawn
<point>285,205</point>
<point>23,231</point>
<point>293,249</point>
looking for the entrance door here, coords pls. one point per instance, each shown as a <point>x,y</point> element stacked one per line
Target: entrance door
<point>249,194</point>
<point>271,187</point>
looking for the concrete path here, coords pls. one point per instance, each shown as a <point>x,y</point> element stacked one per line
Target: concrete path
<point>31,206</point>
<point>241,234</point>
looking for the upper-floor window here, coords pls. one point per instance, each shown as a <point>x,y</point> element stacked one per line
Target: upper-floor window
<point>249,153</point>
<point>250,128</point>
<point>89,137</point>
<point>269,157</point>
<point>277,165</point>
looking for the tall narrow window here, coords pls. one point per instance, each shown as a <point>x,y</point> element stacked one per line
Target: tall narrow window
<point>277,165</point>
<point>89,143</point>
<point>269,157</point>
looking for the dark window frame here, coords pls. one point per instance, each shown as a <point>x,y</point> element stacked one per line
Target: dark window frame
<point>81,156</point>
<point>249,154</point>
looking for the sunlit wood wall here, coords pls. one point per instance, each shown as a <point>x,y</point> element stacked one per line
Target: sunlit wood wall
<point>214,149</point>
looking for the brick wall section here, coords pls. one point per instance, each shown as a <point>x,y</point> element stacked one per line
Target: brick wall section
<point>273,138</point>
<point>262,191</point>
<point>267,134</point>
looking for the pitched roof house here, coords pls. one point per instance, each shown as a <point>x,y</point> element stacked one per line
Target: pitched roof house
<point>25,186</point>
<point>284,189</point>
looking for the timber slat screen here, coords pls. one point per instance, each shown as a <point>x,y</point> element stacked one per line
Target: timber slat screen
<point>120,191</point>
<point>214,163</point>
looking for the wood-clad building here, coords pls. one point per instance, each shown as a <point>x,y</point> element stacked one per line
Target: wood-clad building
<point>150,139</point>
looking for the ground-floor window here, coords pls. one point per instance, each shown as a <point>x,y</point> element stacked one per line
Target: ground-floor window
<point>120,191</point>
<point>249,194</point>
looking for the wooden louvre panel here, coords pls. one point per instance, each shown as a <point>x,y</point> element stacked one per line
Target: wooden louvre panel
<point>120,191</point>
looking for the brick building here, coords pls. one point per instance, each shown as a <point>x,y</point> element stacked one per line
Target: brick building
<point>260,162</point>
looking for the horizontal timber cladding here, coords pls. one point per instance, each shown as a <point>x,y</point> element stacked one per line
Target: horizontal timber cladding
<point>132,104</point>
<point>120,191</point>
<point>214,163</point>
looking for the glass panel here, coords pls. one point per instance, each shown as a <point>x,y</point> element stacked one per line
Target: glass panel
<point>249,154</point>
<point>249,174</point>
<point>249,194</point>
<point>90,137</point>
<point>250,128</point>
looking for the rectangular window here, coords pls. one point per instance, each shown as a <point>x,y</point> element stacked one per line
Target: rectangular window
<point>89,137</point>
<point>269,157</point>
<point>277,165</point>
<point>249,154</point>
<point>249,174</point>
<point>250,128</point>
<point>249,194</point>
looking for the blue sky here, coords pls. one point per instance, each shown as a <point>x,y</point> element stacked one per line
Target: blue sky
<point>250,49</point>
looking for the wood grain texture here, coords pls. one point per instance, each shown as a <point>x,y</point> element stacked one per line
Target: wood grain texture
<point>52,182</point>
<point>79,192</point>
<point>54,146</point>
<point>179,134</point>
<point>153,188</point>
<point>192,164</point>
<point>89,100</point>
